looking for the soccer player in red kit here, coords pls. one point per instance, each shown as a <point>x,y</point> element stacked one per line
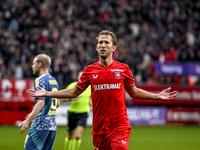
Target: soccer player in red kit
<point>109,107</point>
<point>108,79</point>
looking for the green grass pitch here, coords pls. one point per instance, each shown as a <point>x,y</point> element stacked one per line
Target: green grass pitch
<point>142,138</point>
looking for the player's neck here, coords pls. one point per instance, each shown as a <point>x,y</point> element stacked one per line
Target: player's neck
<point>105,62</point>
<point>43,71</point>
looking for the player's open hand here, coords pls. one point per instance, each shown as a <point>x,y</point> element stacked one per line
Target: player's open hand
<point>24,125</point>
<point>34,93</point>
<point>167,95</point>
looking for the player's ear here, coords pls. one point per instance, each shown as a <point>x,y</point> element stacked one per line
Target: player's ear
<point>39,64</point>
<point>114,48</point>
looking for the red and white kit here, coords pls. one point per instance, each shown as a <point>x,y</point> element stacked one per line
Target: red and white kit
<point>108,95</point>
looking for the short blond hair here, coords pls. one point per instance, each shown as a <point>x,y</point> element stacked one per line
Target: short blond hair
<point>44,59</point>
<point>106,32</point>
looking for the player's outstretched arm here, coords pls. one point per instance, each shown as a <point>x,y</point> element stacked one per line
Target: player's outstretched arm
<point>66,93</point>
<point>138,93</point>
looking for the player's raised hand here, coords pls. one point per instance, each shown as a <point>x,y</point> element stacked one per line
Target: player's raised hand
<point>167,95</point>
<point>34,93</point>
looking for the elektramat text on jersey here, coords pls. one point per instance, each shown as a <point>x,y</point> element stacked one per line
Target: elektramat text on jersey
<point>107,86</point>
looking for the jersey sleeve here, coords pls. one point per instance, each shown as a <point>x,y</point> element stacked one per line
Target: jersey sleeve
<point>41,83</point>
<point>129,79</point>
<point>83,82</point>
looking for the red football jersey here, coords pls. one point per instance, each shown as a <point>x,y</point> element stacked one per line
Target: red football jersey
<point>108,94</point>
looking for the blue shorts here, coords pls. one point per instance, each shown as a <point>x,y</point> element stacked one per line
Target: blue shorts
<point>39,139</point>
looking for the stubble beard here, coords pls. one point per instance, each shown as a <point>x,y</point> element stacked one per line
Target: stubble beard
<point>105,55</point>
<point>35,72</point>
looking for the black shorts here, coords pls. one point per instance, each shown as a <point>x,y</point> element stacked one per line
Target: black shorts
<point>76,119</point>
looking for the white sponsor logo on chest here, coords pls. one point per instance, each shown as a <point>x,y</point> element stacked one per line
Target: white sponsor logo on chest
<point>119,70</point>
<point>107,86</point>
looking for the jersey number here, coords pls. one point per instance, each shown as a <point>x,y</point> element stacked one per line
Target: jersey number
<point>52,110</point>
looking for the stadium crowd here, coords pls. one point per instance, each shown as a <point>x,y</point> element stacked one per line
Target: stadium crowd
<point>147,32</point>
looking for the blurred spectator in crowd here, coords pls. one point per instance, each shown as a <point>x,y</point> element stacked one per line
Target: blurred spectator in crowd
<point>147,31</point>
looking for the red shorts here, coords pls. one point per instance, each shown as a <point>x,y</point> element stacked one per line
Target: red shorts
<point>115,140</point>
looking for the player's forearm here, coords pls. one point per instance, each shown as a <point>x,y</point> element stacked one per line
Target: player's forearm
<point>142,94</point>
<point>66,93</point>
<point>36,110</point>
